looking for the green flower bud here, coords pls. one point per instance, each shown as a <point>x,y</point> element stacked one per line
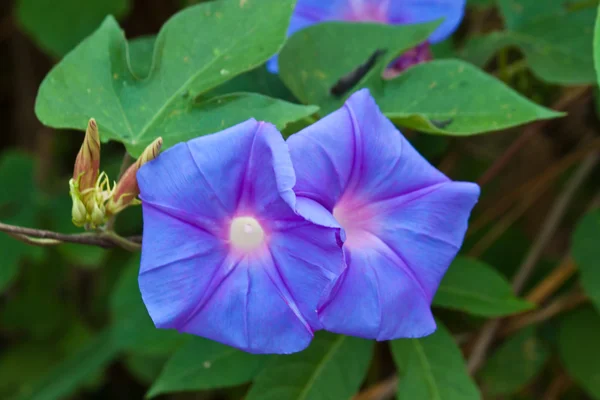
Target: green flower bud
<point>98,215</point>
<point>127,189</point>
<point>78,211</point>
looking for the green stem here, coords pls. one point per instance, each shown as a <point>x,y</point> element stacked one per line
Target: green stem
<point>122,242</point>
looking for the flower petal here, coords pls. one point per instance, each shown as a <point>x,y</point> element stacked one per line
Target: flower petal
<point>407,254</point>
<point>357,149</point>
<point>404,219</point>
<point>250,309</point>
<point>308,259</point>
<point>174,273</point>
<point>426,228</point>
<point>376,299</point>
<point>193,278</point>
<point>201,177</point>
<point>420,11</point>
<point>307,13</point>
<point>384,164</point>
<point>268,178</point>
<point>322,155</point>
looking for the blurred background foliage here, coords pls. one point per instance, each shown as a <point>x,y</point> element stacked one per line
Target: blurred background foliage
<point>72,324</point>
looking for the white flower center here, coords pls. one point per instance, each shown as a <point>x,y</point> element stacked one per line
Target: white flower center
<point>246,233</point>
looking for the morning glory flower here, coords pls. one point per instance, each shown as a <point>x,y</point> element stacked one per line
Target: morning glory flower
<point>403,220</point>
<point>224,254</point>
<point>395,12</point>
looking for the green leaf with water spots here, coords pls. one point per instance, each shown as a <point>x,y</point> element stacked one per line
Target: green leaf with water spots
<point>315,58</point>
<point>198,49</point>
<point>445,97</point>
<point>432,368</point>
<point>455,98</point>
<point>332,367</point>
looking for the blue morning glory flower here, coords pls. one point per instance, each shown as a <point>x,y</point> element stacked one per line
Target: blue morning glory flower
<point>225,255</point>
<point>404,221</point>
<point>395,12</point>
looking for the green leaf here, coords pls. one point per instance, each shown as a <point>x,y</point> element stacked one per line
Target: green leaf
<point>515,363</point>
<point>141,51</point>
<point>332,367</point>
<point>58,25</point>
<point>586,253</point>
<point>202,364</point>
<point>259,80</point>
<point>432,368</point>
<point>453,97</point>
<point>579,348</point>
<point>597,46</point>
<point>476,288</point>
<point>39,309</point>
<point>480,3</point>
<point>444,97</point>
<point>133,329</point>
<point>198,49</point>
<point>22,364</point>
<point>555,39</point>
<point>315,58</point>
<point>74,371</point>
<point>18,206</point>
<point>146,369</point>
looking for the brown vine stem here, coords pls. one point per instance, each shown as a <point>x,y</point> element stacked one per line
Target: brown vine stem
<point>558,387</point>
<point>537,184</point>
<point>565,270</point>
<point>567,99</point>
<point>486,337</point>
<point>559,305</point>
<point>505,223</point>
<point>40,237</point>
<point>552,282</point>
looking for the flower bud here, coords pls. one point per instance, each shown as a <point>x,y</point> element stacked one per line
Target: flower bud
<point>78,211</point>
<point>127,189</point>
<point>97,215</point>
<point>87,164</point>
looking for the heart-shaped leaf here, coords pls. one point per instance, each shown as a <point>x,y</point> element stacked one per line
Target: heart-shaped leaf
<point>196,50</point>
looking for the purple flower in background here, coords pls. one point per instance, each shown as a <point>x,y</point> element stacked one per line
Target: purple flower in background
<point>224,253</point>
<point>403,220</point>
<point>395,12</point>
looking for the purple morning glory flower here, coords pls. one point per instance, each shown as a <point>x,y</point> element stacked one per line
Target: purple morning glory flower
<point>395,12</point>
<point>403,220</point>
<point>224,254</point>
